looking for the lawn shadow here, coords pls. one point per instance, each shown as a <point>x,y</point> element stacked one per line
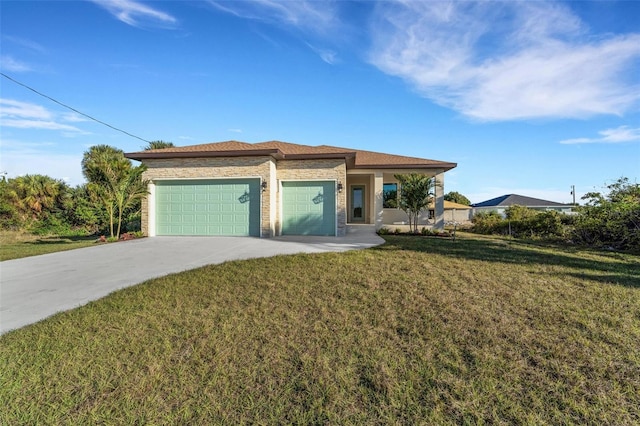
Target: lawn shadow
<point>60,240</point>
<point>623,270</point>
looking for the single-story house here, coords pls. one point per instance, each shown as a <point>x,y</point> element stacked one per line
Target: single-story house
<point>500,204</point>
<point>456,212</point>
<point>276,188</point>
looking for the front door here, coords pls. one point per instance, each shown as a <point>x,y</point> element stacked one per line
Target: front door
<point>357,211</point>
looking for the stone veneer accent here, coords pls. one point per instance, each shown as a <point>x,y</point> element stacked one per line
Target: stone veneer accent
<point>251,167</point>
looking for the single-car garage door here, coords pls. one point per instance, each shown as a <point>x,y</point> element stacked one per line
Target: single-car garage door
<point>308,208</point>
<point>208,207</point>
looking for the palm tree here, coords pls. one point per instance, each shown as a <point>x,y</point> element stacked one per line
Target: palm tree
<point>158,145</point>
<point>113,182</point>
<point>416,192</point>
<point>37,193</point>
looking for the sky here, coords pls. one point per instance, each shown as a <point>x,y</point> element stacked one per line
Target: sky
<point>527,97</point>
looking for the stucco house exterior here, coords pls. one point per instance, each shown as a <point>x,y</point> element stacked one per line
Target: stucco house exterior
<point>275,188</point>
<point>456,212</point>
<point>500,204</point>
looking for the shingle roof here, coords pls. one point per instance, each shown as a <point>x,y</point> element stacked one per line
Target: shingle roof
<point>520,200</point>
<point>285,150</point>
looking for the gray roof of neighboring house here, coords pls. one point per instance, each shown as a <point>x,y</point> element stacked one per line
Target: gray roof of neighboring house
<point>520,200</point>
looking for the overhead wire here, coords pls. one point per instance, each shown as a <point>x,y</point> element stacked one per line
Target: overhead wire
<point>73,109</point>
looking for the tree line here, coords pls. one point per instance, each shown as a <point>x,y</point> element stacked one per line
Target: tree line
<point>610,220</point>
<point>109,203</point>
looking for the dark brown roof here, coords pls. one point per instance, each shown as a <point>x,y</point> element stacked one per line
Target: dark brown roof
<point>283,150</point>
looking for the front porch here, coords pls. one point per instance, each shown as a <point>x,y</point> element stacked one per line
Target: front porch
<point>368,205</point>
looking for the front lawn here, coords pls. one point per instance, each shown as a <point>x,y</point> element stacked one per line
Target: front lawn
<point>15,245</point>
<point>417,331</point>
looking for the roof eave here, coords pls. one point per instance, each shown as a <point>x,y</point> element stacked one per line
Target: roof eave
<point>444,166</point>
<point>205,154</point>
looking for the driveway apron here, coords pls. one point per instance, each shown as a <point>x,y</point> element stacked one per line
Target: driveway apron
<point>37,287</point>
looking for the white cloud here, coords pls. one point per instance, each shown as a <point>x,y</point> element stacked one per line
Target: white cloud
<point>310,17</point>
<point>235,130</point>
<point>18,109</point>
<point>327,55</point>
<point>57,166</point>
<point>135,13</point>
<point>36,124</point>
<point>618,135</point>
<point>313,16</point>
<point>506,60</point>
<point>31,45</point>
<point>10,64</point>
<point>24,115</point>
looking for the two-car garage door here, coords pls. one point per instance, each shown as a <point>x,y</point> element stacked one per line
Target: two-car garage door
<point>208,207</point>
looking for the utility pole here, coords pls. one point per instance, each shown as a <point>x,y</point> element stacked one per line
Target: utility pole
<point>573,192</point>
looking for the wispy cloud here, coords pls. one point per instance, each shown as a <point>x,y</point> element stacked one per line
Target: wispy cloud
<point>137,14</point>
<point>327,55</point>
<point>26,43</point>
<point>20,158</point>
<point>235,130</point>
<point>618,135</point>
<point>506,60</point>
<point>311,18</point>
<point>18,109</point>
<point>24,115</point>
<point>10,64</point>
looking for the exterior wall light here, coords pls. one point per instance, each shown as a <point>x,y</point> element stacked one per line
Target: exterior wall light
<point>264,185</point>
<point>340,187</point>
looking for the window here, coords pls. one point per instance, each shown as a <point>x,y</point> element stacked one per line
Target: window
<point>390,195</point>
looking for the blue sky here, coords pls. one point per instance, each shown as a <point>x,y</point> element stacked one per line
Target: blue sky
<point>527,97</point>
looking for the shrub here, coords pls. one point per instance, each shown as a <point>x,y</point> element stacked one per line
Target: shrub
<point>610,220</point>
<point>487,222</point>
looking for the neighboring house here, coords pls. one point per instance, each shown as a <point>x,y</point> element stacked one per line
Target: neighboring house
<point>500,204</point>
<point>455,212</point>
<point>275,188</point>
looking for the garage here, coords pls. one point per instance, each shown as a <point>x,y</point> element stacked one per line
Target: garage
<point>309,208</point>
<point>217,207</point>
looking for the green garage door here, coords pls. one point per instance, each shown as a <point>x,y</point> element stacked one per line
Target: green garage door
<point>208,207</point>
<point>308,208</point>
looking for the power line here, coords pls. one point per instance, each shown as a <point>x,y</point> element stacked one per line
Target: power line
<point>73,109</point>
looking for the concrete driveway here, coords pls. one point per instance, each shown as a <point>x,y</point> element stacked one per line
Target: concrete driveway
<point>34,288</point>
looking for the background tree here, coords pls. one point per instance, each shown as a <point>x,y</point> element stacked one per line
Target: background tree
<point>113,182</point>
<point>416,192</point>
<point>456,197</point>
<point>612,219</point>
<point>158,145</point>
<point>38,194</point>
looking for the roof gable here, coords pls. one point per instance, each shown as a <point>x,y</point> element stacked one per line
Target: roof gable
<point>285,150</point>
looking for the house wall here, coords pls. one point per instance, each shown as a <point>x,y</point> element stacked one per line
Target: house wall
<point>322,169</point>
<point>457,215</point>
<point>212,168</point>
<point>397,219</point>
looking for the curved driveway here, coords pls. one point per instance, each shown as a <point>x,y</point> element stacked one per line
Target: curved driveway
<point>34,288</point>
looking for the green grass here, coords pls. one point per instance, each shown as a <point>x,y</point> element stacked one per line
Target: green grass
<point>417,331</point>
<point>15,245</point>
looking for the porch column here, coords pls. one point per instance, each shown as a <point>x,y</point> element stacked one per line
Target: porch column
<point>439,201</point>
<point>378,183</point>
